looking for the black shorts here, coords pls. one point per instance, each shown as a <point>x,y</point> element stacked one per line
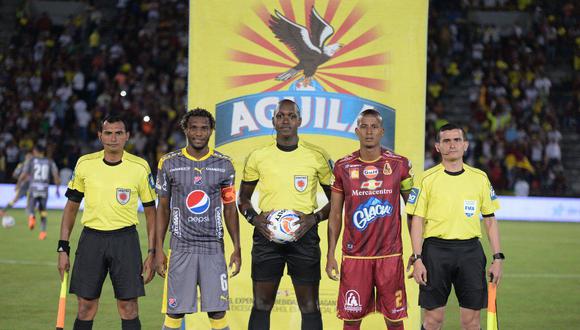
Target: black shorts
<point>302,256</point>
<point>116,252</point>
<point>457,262</point>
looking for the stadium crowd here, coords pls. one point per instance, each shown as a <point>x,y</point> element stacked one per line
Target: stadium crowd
<point>514,116</point>
<point>56,82</point>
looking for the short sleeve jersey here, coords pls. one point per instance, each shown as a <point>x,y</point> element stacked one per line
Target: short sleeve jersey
<point>451,203</point>
<point>196,189</point>
<point>372,214</point>
<point>288,179</point>
<point>40,170</point>
<point>111,191</point>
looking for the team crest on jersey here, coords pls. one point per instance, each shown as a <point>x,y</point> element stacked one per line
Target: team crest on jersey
<point>469,207</point>
<point>123,195</point>
<point>352,301</point>
<point>371,184</point>
<point>300,182</point>
<point>353,173</point>
<point>370,172</point>
<point>197,180</point>
<point>172,302</point>
<point>387,170</point>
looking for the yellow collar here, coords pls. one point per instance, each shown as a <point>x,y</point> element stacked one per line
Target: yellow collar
<point>187,155</point>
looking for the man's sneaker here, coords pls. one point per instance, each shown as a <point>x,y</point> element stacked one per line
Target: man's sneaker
<point>31,222</point>
<point>42,236</point>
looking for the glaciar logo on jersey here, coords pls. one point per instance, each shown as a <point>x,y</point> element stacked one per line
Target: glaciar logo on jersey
<point>370,211</point>
<point>198,203</point>
<point>313,75</point>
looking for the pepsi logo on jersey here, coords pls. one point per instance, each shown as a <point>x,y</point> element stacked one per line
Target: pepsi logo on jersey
<point>197,202</point>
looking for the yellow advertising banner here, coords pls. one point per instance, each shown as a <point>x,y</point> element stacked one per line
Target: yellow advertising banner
<point>334,58</point>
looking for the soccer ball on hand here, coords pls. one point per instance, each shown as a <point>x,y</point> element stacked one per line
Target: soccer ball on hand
<point>282,224</point>
<point>8,221</point>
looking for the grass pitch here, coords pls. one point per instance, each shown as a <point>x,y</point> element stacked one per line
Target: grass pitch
<point>540,288</point>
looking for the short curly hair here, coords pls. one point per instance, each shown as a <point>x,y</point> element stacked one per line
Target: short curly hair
<point>197,112</point>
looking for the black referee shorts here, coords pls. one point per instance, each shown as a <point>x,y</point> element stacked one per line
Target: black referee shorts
<point>302,257</point>
<point>460,263</point>
<point>116,252</point>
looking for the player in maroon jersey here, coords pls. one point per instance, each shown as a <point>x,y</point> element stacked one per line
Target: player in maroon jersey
<point>369,183</point>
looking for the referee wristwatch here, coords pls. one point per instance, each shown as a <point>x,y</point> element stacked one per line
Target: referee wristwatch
<point>498,256</point>
<point>415,257</point>
<point>250,214</point>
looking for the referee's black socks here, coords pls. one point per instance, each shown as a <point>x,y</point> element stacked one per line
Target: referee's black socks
<point>133,324</point>
<point>83,325</point>
<point>312,321</point>
<point>259,320</point>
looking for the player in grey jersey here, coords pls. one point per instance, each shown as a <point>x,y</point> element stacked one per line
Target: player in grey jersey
<point>195,186</point>
<point>37,172</point>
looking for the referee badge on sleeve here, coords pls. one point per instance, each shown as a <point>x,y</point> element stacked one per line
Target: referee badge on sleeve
<point>123,195</point>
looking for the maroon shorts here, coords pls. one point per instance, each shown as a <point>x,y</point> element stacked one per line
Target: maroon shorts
<point>372,285</point>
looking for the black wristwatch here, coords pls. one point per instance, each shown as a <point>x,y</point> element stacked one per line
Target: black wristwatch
<point>250,214</point>
<point>499,256</point>
<point>415,257</point>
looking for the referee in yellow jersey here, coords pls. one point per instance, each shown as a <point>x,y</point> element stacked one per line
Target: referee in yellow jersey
<point>111,181</point>
<point>287,173</point>
<point>446,204</point>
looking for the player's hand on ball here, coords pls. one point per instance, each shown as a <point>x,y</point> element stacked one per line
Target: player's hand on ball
<point>306,222</point>
<point>495,271</point>
<point>63,264</point>
<point>261,223</point>
<point>235,262</point>
<point>420,272</point>
<point>160,262</point>
<point>148,268</point>
<point>332,268</point>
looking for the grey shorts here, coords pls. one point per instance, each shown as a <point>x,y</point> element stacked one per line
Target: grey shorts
<point>36,203</point>
<point>187,271</point>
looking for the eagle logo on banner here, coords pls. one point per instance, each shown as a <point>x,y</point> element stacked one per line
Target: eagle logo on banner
<point>323,58</point>
<point>308,46</point>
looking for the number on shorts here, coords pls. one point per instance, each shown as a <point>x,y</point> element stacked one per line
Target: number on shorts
<point>224,281</point>
<point>399,298</point>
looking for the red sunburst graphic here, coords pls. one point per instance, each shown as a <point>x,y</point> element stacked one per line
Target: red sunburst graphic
<point>279,61</point>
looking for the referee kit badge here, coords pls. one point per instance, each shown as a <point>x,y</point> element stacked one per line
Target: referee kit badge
<point>123,195</point>
<point>469,207</point>
<point>300,182</point>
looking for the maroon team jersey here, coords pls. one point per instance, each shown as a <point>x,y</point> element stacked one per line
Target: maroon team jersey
<point>372,217</point>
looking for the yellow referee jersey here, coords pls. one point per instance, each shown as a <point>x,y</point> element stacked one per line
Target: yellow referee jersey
<point>288,179</point>
<point>451,203</point>
<point>111,191</point>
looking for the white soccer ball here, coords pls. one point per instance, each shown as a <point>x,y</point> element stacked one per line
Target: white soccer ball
<point>282,224</point>
<point>8,221</point>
